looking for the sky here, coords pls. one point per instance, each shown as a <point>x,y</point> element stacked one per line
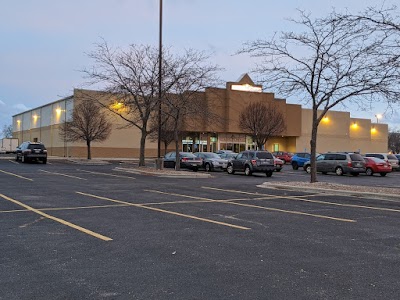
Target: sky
<point>45,43</point>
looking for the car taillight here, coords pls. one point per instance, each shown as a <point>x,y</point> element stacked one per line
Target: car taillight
<point>349,163</point>
<point>185,159</point>
<point>254,162</point>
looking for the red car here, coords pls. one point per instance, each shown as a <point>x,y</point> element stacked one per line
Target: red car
<point>278,164</point>
<point>377,165</point>
<point>285,156</point>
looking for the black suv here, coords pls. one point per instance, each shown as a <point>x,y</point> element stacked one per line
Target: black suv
<point>252,162</point>
<point>30,151</point>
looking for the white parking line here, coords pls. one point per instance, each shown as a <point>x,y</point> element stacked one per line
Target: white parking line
<point>60,174</point>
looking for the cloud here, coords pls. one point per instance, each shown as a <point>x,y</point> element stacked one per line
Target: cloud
<point>7,111</point>
<point>20,107</point>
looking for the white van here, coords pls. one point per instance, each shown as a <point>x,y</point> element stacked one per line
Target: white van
<point>390,158</point>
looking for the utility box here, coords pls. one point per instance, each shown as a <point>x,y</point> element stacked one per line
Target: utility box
<point>8,145</point>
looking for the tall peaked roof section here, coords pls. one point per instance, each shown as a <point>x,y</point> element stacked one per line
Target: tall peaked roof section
<point>245,79</point>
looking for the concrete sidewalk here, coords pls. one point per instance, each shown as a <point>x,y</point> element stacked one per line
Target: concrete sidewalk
<point>355,191</point>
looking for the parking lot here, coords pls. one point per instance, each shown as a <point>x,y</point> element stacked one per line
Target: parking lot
<point>71,231</point>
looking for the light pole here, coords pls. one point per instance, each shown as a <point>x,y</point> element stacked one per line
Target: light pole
<point>159,164</point>
<point>378,116</point>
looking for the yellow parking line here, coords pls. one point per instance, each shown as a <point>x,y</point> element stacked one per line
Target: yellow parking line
<point>60,174</point>
<point>12,174</point>
<point>260,207</point>
<point>87,231</point>
<point>165,211</point>
<point>296,198</point>
<point>120,176</point>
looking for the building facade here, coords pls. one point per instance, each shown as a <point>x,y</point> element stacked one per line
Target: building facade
<point>336,132</point>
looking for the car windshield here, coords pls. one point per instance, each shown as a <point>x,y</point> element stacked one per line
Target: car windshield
<point>36,146</point>
<point>186,154</point>
<point>211,155</point>
<point>356,157</point>
<point>263,155</point>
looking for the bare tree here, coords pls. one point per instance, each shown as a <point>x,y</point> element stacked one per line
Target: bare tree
<point>130,75</point>
<point>262,121</point>
<point>190,74</point>
<point>7,131</point>
<point>88,124</point>
<point>394,141</point>
<point>167,131</point>
<point>334,60</point>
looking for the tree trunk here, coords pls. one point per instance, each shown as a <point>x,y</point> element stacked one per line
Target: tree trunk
<point>165,148</point>
<point>89,154</point>
<point>142,146</point>
<point>313,146</point>
<point>178,159</point>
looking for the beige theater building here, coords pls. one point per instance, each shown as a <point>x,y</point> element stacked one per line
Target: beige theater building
<point>337,132</point>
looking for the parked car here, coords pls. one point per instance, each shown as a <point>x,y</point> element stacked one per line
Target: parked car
<point>339,163</point>
<point>377,165</point>
<point>285,156</point>
<point>390,158</point>
<point>211,161</point>
<point>298,159</point>
<point>398,157</point>
<point>228,155</point>
<point>31,151</point>
<point>278,164</point>
<point>252,162</point>
<point>187,160</point>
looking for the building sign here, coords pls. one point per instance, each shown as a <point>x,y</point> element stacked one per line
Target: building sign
<point>246,88</point>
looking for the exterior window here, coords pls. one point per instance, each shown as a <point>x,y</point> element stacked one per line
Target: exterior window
<point>276,147</point>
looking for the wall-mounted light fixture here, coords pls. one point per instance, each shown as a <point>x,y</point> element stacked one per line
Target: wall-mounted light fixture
<point>325,119</point>
<point>355,125</point>
<point>373,129</point>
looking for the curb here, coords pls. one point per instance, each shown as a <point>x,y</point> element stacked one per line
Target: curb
<point>179,174</point>
<point>380,196</point>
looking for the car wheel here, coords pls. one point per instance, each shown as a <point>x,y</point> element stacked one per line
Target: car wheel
<point>16,158</point>
<point>44,161</point>
<point>207,167</point>
<point>383,174</point>
<point>247,171</point>
<point>269,173</point>
<point>308,169</point>
<point>230,170</point>
<point>369,172</point>
<point>295,166</point>
<point>339,171</point>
